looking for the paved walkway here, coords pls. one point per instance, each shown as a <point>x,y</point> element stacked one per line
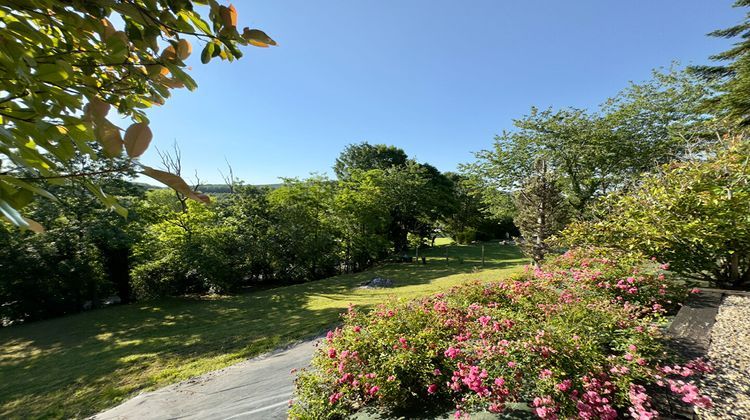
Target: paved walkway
<point>258,388</point>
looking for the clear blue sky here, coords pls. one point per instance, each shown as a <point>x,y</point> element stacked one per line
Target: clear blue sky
<point>436,78</point>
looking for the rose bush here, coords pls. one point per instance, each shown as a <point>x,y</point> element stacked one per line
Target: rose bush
<point>578,337</point>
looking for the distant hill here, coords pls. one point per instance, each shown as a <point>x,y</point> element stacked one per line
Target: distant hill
<point>224,188</point>
<point>148,187</point>
<point>207,188</point>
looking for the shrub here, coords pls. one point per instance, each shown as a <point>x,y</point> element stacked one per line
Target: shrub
<point>188,252</point>
<point>694,215</point>
<point>555,340</point>
<point>466,236</point>
<point>48,274</point>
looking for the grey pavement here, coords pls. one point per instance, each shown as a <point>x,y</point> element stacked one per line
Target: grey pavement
<point>258,388</point>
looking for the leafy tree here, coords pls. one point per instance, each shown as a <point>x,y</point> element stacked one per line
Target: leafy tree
<point>365,156</point>
<point>188,251</point>
<point>469,220</point>
<point>78,214</point>
<point>417,197</point>
<point>247,211</point>
<point>46,275</point>
<point>64,65</point>
<point>595,153</point>
<point>416,194</point>
<point>303,232</point>
<point>81,258</point>
<point>362,218</point>
<point>660,120</point>
<point>574,142</point>
<point>467,212</point>
<point>541,212</point>
<point>694,215</point>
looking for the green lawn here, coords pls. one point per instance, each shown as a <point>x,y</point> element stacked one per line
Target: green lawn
<point>80,364</point>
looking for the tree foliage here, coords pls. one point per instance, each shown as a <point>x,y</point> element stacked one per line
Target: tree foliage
<point>694,215</point>
<point>416,195</point>
<point>64,65</point>
<point>82,258</point>
<point>365,156</point>
<point>594,153</point>
<point>541,212</point>
<point>469,220</point>
<point>733,74</point>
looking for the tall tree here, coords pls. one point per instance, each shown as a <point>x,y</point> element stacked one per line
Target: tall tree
<point>694,215</point>
<point>541,211</point>
<point>416,194</point>
<point>363,218</point>
<point>469,220</point>
<point>593,153</point>
<point>65,64</point>
<point>84,254</point>
<point>365,156</point>
<point>303,232</point>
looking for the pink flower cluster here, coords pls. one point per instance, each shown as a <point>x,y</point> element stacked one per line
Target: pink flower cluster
<point>483,346</point>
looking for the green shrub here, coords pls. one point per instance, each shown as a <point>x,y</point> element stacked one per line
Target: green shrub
<point>48,274</point>
<point>694,215</point>
<point>466,236</point>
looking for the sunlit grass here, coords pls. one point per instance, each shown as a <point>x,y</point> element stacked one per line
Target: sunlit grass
<point>78,365</point>
<point>443,241</point>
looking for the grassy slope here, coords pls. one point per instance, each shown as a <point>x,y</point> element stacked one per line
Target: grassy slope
<point>78,365</point>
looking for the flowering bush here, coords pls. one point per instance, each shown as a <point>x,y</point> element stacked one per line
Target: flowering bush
<point>625,277</point>
<point>572,339</point>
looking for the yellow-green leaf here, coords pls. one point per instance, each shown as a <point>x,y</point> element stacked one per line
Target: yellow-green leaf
<point>257,37</point>
<point>175,182</point>
<point>51,73</point>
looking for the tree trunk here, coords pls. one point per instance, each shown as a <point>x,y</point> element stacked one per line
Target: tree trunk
<point>734,269</point>
<point>539,240</point>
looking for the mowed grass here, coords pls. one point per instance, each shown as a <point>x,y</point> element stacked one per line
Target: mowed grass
<point>81,364</point>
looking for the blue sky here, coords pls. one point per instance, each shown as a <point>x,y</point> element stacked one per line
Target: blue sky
<point>436,78</point>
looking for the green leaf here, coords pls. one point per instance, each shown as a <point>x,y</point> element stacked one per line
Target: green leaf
<point>181,76</point>
<point>207,53</point>
<point>197,21</point>
<point>51,73</point>
<point>25,185</point>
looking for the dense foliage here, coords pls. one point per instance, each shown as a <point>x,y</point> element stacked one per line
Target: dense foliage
<point>578,337</point>
<point>593,153</point>
<point>64,64</point>
<point>541,211</point>
<point>470,220</point>
<point>81,258</point>
<point>588,154</point>
<point>246,237</point>
<point>694,215</point>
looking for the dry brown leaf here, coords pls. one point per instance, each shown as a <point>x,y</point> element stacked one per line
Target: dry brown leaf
<point>137,138</point>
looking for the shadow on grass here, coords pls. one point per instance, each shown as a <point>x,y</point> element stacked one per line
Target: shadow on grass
<point>80,364</point>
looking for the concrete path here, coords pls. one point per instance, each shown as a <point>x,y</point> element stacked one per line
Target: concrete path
<point>258,388</point>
